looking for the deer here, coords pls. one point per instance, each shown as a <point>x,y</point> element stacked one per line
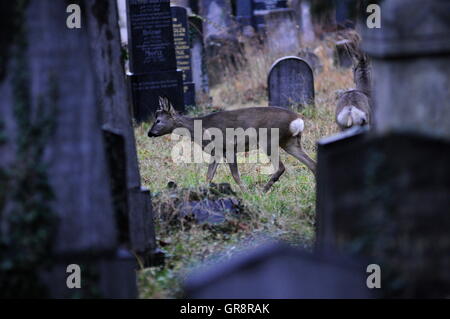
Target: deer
<point>287,124</point>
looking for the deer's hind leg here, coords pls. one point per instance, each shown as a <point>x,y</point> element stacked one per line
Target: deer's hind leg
<point>276,176</point>
<point>295,149</point>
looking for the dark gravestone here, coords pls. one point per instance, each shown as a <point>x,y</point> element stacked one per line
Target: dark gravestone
<point>221,43</point>
<point>117,124</point>
<point>244,12</point>
<point>198,58</point>
<point>152,53</point>
<point>59,86</point>
<point>150,36</point>
<point>387,198</point>
<point>282,32</point>
<point>342,56</point>
<point>280,272</point>
<point>262,7</point>
<point>183,52</point>
<point>291,83</point>
<point>147,87</point>
<point>312,59</point>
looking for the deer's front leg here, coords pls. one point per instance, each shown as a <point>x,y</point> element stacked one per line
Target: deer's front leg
<point>211,171</point>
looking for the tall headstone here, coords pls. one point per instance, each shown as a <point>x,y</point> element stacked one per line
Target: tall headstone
<point>262,7</point>
<point>244,12</point>
<point>282,31</point>
<point>342,56</point>
<point>280,271</point>
<point>198,59</point>
<point>411,67</point>
<point>385,196</point>
<point>59,210</point>
<point>115,103</point>
<point>152,57</point>
<point>291,83</point>
<point>183,52</point>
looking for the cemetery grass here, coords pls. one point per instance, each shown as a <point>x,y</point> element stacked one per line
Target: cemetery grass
<point>286,213</point>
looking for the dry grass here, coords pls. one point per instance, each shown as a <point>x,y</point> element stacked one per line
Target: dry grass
<point>286,213</point>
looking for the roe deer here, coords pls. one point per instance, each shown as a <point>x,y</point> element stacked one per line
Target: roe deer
<point>287,124</point>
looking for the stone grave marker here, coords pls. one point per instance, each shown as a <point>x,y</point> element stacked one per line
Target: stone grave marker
<point>291,83</point>
<point>198,58</point>
<point>74,219</point>
<point>183,52</point>
<point>152,57</point>
<point>282,31</point>
<point>280,272</point>
<point>219,38</point>
<point>119,134</point>
<point>244,12</point>
<point>262,7</point>
<point>377,199</point>
<point>342,57</point>
<point>411,67</point>
<point>312,59</point>
<point>386,196</point>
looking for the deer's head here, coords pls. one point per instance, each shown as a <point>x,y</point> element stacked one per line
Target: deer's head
<point>164,119</point>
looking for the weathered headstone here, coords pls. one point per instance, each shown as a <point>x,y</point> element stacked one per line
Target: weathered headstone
<point>60,206</point>
<point>219,38</point>
<point>291,83</point>
<point>152,57</point>
<point>377,199</point>
<point>183,52</point>
<point>280,272</point>
<point>198,59</point>
<point>117,123</point>
<point>312,59</point>
<point>244,12</point>
<point>342,55</point>
<point>411,67</point>
<point>386,196</point>
<point>282,31</point>
<point>262,7</point>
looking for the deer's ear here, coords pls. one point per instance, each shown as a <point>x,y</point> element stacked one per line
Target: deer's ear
<point>161,104</point>
<point>171,109</point>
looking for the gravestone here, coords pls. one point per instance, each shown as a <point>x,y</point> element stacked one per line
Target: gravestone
<point>385,196</point>
<point>377,199</point>
<point>278,271</point>
<point>118,132</point>
<point>198,59</point>
<point>244,12</point>
<point>183,52</point>
<point>411,67</point>
<point>152,57</point>
<point>70,219</point>
<point>219,37</point>
<point>342,57</point>
<point>262,7</point>
<point>312,59</point>
<point>291,83</point>
<point>282,31</point>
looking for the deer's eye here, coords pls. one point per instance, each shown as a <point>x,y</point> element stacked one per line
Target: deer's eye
<point>158,121</point>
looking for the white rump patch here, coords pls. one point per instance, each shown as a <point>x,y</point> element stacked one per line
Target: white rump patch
<point>296,127</point>
<point>350,116</point>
